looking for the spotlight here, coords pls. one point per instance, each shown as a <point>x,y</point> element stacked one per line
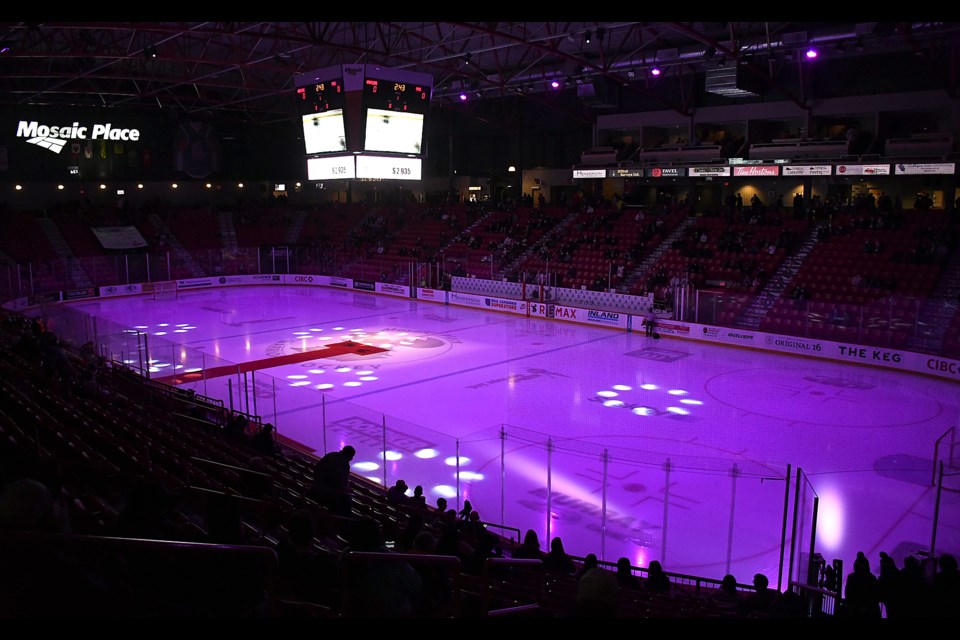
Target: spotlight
<point>150,52</point>
<point>463,97</point>
<point>655,71</point>
<point>555,84</point>
<point>811,54</point>
<point>587,36</point>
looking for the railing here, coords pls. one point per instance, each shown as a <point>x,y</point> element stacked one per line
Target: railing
<point>514,450</point>
<point>56,575</point>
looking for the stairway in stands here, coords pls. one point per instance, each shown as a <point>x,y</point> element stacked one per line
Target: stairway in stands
<point>555,231</point>
<point>766,298</point>
<point>938,309</point>
<point>78,276</point>
<point>644,270</point>
<point>292,236</point>
<point>182,256</point>
<point>228,232</point>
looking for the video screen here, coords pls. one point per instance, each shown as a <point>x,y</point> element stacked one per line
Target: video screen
<point>393,131</point>
<point>324,132</point>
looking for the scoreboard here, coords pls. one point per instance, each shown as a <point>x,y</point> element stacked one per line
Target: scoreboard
<point>365,110</point>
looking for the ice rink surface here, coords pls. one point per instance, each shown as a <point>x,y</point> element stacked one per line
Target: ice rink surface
<point>711,459</point>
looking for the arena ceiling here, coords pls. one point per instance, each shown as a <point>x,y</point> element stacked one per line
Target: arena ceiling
<point>245,71</point>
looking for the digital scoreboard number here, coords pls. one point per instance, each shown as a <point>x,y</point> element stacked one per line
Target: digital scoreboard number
<point>394,95</point>
<point>320,97</point>
<point>394,115</point>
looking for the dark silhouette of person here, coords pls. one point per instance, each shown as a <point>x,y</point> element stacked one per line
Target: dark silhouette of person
<point>557,560</point>
<point>397,494</point>
<point>946,587</point>
<point>418,500</point>
<point>625,576</point>
<point>589,562</point>
<point>727,594</point>
<point>331,481</point>
<point>597,594</point>
<point>861,591</point>
<point>530,547</point>
<point>890,585</point>
<point>656,581</point>
<point>763,601</point>
<point>915,600</point>
<point>264,440</point>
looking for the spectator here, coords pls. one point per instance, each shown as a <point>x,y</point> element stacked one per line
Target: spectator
<point>946,587</point>
<point>862,591</point>
<point>331,481</point>
<point>657,581</point>
<point>530,547</point>
<point>625,576</point>
<point>557,560</point>
<point>764,601</point>
<point>597,594</point>
<point>397,494</point>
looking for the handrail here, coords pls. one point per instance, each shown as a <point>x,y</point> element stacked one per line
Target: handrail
<point>936,452</point>
<point>348,560</point>
<point>84,552</point>
<point>232,467</point>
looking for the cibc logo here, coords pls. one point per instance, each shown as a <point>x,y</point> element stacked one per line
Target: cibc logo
<point>944,366</point>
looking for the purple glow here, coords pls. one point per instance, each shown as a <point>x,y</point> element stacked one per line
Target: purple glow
<point>811,54</point>
<point>655,71</point>
<point>555,84</point>
<point>531,433</point>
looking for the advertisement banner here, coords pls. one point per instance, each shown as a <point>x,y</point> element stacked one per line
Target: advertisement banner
<point>540,309</point>
<point>589,173</point>
<point>668,327</point>
<point>808,170</point>
<point>306,279</point>
<point>614,319</point>
<point>364,285</point>
<point>863,169</point>
<point>119,237</point>
<point>393,289</point>
<point>667,172</point>
<point>266,278</point>
<point>431,295</point>
<point>729,336</point>
<point>344,283</point>
<point>906,168</point>
<point>700,172</point>
<point>506,304</point>
<point>195,283</point>
<point>757,171</point>
<point>465,299</point>
<point>79,294</point>
<point>121,290</point>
